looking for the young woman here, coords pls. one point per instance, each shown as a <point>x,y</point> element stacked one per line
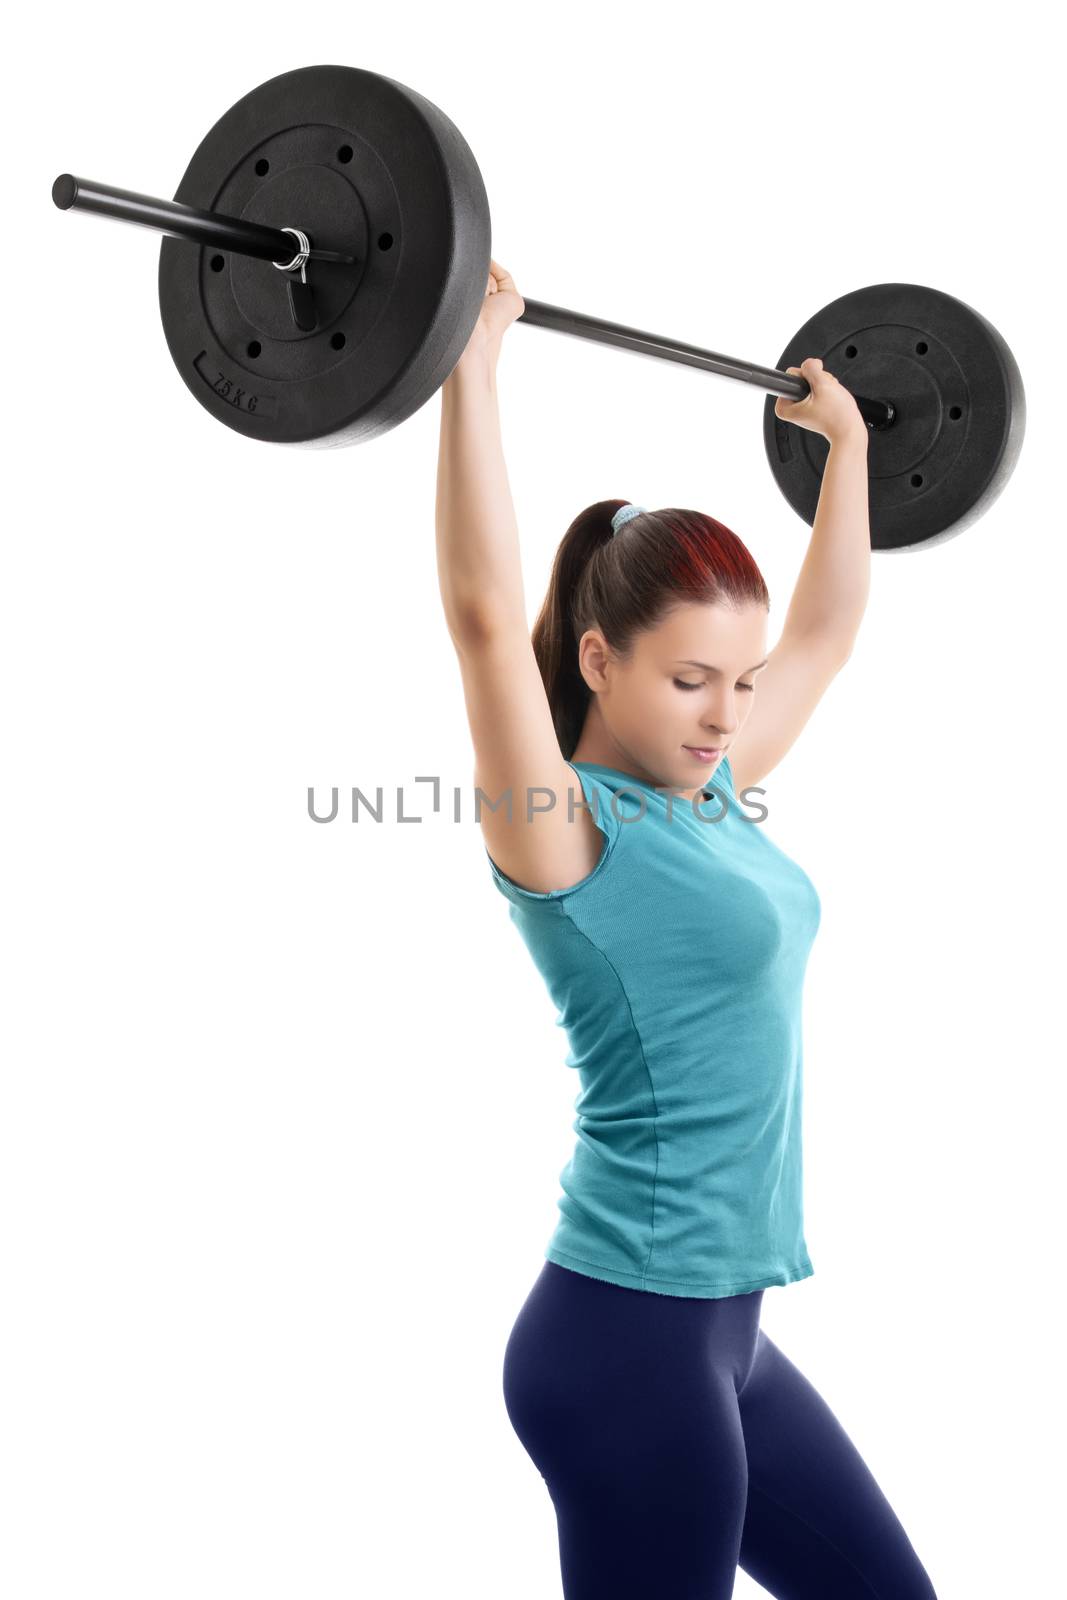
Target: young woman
<point>676,1440</point>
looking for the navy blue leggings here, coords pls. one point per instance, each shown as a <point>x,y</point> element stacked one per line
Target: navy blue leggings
<point>678,1443</point>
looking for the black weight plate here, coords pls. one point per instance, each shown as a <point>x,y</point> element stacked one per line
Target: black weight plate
<point>960,410</point>
<point>362,165</point>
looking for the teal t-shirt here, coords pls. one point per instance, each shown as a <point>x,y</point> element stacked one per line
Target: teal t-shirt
<point>676,967</point>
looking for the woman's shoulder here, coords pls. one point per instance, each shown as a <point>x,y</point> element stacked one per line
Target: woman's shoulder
<point>591,811</point>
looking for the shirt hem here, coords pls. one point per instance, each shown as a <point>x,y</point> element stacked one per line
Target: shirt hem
<point>773,1277</point>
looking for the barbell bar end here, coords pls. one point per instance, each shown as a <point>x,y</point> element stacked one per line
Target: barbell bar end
<point>65,191</point>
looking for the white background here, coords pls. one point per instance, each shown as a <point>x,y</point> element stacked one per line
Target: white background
<point>284,1105</point>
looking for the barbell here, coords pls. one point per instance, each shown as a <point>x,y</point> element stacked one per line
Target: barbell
<point>344,237</point>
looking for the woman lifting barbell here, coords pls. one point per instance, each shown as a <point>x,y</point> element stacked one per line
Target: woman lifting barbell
<point>676,1440</point>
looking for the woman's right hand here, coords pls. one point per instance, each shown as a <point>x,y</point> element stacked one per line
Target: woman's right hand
<point>502,305</point>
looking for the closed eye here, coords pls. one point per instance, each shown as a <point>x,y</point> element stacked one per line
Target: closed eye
<point>681,684</point>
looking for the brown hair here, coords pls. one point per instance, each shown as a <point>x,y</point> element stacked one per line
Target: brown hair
<point>626,583</point>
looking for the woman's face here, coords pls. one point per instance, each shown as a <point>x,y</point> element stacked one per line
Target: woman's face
<point>690,682</point>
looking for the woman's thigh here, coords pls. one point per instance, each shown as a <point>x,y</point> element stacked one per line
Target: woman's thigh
<point>816,1523</point>
<point>626,1401</point>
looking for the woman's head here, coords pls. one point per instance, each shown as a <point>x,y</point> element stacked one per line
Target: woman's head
<point>649,640</point>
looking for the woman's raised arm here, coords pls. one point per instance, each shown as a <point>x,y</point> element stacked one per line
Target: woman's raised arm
<point>478,563</point>
<point>516,749</point>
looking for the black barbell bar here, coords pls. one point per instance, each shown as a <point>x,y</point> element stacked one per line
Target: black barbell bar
<point>184,222</point>
<point>877,414</point>
<point>272,244</point>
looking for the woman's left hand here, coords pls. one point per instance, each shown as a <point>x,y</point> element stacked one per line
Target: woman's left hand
<point>829,409</point>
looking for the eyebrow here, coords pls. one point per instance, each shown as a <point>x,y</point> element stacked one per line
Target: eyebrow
<point>708,668</point>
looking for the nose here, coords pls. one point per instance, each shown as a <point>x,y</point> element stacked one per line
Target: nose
<point>726,722</point>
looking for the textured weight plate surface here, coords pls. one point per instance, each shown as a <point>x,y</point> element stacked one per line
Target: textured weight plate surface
<point>362,165</point>
<point>960,410</point>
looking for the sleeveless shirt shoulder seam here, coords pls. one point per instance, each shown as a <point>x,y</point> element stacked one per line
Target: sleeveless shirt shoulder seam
<point>553,899</point>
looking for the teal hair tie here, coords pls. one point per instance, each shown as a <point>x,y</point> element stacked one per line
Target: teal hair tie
<point>624,514</point>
